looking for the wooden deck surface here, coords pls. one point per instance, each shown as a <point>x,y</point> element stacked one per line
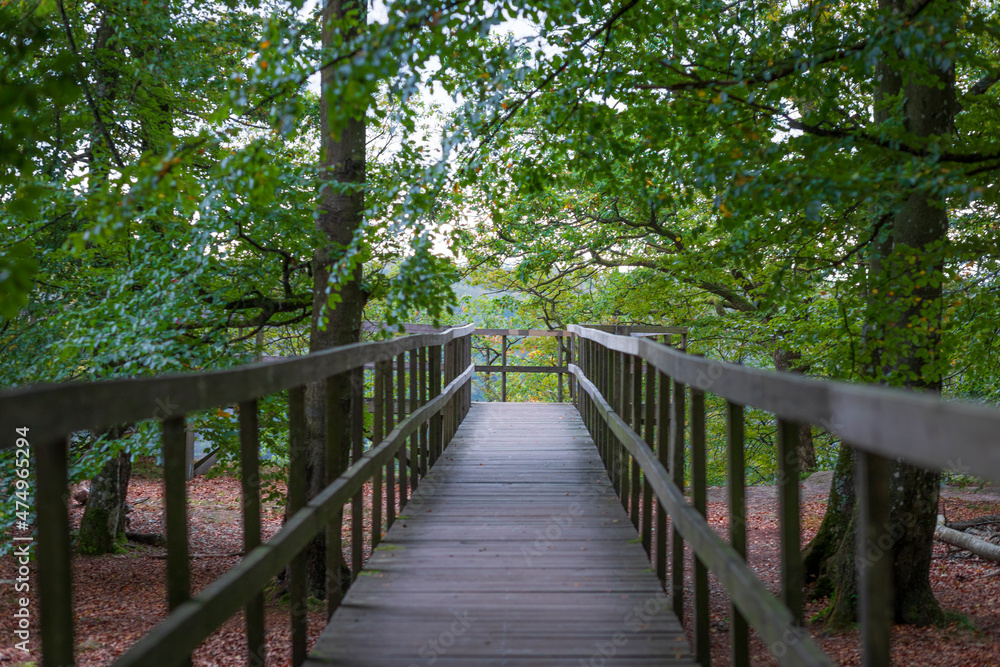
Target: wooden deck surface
<point>514,551</point>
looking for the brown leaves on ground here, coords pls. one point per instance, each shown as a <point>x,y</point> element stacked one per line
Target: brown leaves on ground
<point>118,598</point>
<point>962,583</point>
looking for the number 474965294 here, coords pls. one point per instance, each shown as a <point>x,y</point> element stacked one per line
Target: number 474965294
<point>22,461</point>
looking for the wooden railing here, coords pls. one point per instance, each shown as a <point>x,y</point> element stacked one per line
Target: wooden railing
<point>564,352</point>
<point>420,405</point>
<point>633,395</point>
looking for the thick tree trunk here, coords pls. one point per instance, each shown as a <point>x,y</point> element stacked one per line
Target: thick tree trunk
<point>341,213</point>
<point>904,327</point>
<point>102,528</point>
<point>817,558</point>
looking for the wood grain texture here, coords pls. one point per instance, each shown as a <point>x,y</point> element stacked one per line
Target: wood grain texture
<point>514,550</point>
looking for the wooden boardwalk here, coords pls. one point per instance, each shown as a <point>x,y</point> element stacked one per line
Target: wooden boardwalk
<point>514,551</point>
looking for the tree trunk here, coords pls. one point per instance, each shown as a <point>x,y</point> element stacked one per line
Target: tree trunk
<point>904,327</point>
<point>817,556</point>
<point>341,213</point>
<point>786,361</point>
<point>102,528</point>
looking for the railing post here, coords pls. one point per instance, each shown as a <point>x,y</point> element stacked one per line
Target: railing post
<point>677,472</point>
<point>297,584</point>
<point>423,383</point>
<point>437,421</point>
<point>636,397</point>
<point>663,455</point>
<point>357,450</point>
<point>503,373</point>
<point>175,502</point>
<point>53,552</point>
<point>700,502</point>
<point>390,465</point>
<point>571,358</point>
<point>871,476</point>
<point>415,438</point>
<point>559,362</point>
<point>335,466</point>
<point>739,640</point>
<point>624,408</point>
<point>449,407</point>
<point>250,484</point>
<point>649,403</point>
<point>378,424</point>
<point>788,514</point>
<point>468,387</point>
<point>614,398</point>
<point>401,412</point>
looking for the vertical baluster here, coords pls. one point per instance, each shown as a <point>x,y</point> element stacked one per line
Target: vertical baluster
<point>467,363</point>
<point>610,394</point>
<point>401,412</point>
<point>677,472</point>
<point>450,374</point>
<point>250,484</point>
<point>624,409</point>
<point>378,424</point>
<point>872,479</point>
<point>636,395</point>
<point>437,421</point>
<point>739,642</point>
<point>415,438</point>
<point>788,515</point>
<point>612,397</point>
<point>468,387</point>
<point>297,585</point>
<point>649,405</point>
<point>390,466</point>
<point>599,375</point>
<point>357,450</point>
<point>175,501</point>
<point>460,395</point>
<point>663,454</point>
<point>336,454</point>
<point>560,356</point>
<point>699,496</point>
<point>572,359</point>
<point>423,386</point>
<point>503,373</point>
<point>452,404</point>
<point>53,551</point>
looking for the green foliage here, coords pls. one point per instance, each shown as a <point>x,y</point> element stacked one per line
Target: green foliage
<point>220,429</point>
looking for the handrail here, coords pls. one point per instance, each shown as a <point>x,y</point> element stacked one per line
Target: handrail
<point>891,422</point>
<point>748,592</point>
<point>181,632</point>
<point>880,423</point>
<point>52,413</point>
<point>59,409</point>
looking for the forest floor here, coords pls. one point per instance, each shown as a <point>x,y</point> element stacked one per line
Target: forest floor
<point>120,597</point>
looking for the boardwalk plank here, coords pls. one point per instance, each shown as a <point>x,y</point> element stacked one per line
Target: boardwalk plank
<point>513,551</point>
